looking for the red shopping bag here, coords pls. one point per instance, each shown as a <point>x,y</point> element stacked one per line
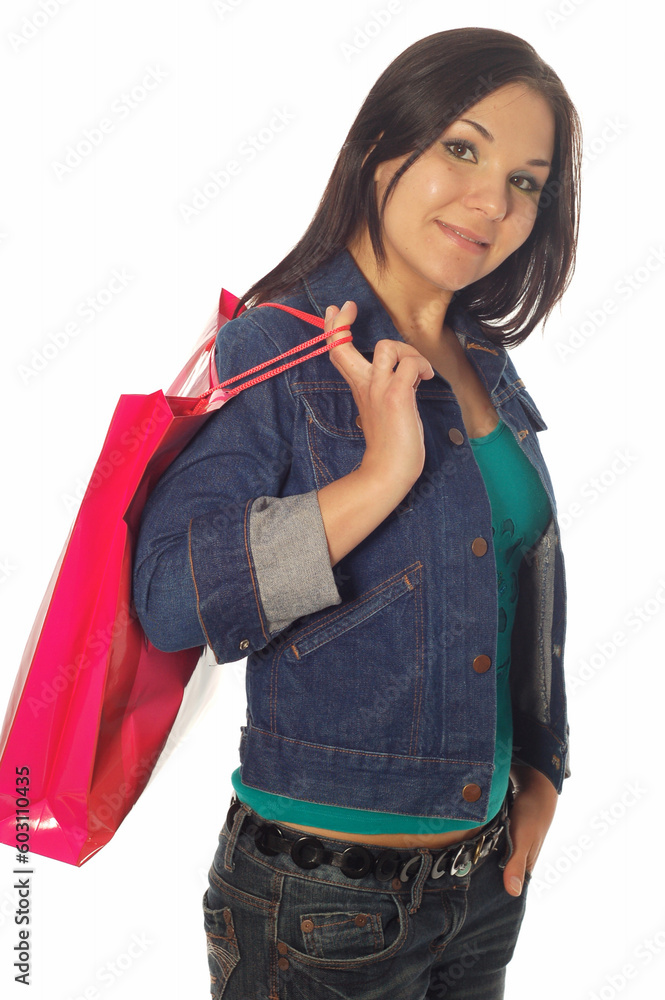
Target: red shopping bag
<point>94,701</point>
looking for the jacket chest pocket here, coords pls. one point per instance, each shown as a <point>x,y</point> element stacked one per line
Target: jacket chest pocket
<point>335,439</point>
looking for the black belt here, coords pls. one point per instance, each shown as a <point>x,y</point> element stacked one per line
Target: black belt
<point>356,861</point>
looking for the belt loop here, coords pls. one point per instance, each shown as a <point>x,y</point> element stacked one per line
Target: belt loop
<point>420,879</point>
<point>233,836</point>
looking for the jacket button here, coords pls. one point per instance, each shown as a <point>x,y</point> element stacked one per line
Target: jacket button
<point>456,436</point>
<point>282,946</point>
<point>359,422</point>
<point>283,964</point>
<point>244,644</point>
<point>479,546</point>
<point>360,920</point>
<point>482,663</point>
<point>307,926</point>
<point>471,793</point>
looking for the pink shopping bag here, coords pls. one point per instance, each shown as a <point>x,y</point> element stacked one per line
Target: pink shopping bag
<point>94,701</point>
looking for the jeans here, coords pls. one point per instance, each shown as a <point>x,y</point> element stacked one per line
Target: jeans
<point>278,932</point>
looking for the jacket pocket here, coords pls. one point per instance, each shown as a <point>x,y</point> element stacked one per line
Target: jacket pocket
<point>362,660</point>
<point>335,440</point>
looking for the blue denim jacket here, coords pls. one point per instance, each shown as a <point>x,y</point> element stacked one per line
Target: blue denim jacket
<point>361,685</point>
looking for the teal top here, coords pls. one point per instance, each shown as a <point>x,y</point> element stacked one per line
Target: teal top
<point>520,514</point>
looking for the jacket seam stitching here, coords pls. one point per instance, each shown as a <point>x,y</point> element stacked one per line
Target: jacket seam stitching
<point>196,589</point>
<point>251,569</point>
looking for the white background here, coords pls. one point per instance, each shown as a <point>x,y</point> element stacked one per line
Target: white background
<point>596,898</point>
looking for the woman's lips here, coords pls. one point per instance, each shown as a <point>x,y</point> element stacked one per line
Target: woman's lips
<point>462,241</point>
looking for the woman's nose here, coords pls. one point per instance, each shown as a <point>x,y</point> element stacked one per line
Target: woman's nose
<point>488,194</point>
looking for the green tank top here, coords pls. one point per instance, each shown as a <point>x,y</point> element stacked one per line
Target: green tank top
<point>520,514</point>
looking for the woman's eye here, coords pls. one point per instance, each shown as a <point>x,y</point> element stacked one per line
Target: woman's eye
<point>532,186</point>
<point>456,144</point>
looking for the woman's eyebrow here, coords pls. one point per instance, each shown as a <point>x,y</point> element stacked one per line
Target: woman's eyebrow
<point>490,138</point>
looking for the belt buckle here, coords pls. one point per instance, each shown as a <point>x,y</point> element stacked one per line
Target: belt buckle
<point>463,869</point>
<point>479,847</point>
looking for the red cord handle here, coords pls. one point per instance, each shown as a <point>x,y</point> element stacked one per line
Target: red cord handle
<point>315,321</point>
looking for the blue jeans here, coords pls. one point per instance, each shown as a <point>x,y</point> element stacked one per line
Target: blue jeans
<point>278,932</point>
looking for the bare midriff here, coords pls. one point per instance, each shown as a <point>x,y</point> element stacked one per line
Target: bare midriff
<point>433,840</point>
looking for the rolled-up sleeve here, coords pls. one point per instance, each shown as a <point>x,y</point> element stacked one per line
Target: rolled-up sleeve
<point>222,557</point>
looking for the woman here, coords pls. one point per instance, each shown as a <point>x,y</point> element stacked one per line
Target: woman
<point>375,530</point>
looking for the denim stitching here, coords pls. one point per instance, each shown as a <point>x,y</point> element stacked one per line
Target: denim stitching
<point>419,680</point>
<point>251,570</point>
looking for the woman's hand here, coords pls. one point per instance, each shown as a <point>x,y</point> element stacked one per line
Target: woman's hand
<point>386,401</point>
<point>531,816</point>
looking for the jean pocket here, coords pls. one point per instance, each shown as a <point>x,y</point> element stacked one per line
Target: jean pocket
<point>338,934</point>
<point>340,931</point>
<point>223,951</point>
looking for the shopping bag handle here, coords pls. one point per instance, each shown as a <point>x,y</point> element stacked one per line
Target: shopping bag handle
<point>309,318</point>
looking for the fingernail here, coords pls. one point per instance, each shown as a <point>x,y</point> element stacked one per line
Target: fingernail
<point>516,885</point>
<point>345,305</point>
<point>327,316</point>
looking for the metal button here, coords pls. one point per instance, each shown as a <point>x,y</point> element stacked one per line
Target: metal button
<point>282,947</point>
<point>359,422</point>
<point>227,917</point>
<point>283,963</point>
<point>244,644</point>
<point>456,435</point>
<point>482,663</point>
<point>471,793</point>
<point>360,920</point>
<point>307,926</point>
<point>479,546</point>
<point>396,884</point>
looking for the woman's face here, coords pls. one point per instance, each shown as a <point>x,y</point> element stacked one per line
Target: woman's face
<point>480,178</point>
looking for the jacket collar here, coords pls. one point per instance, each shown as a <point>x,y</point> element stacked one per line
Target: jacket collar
<point>340,279</point>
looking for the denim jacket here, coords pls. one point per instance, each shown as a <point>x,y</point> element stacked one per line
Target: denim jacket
<point>364,684</point>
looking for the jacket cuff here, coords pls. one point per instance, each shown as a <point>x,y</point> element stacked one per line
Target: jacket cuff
<point>291,558</point>
<point>257,567</point>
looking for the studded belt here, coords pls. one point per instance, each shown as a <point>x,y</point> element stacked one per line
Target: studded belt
<point>356,861</point>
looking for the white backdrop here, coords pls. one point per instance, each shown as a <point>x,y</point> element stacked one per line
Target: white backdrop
<point>183,87</point>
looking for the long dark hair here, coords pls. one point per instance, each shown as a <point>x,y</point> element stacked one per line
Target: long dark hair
<point>414,100</point>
